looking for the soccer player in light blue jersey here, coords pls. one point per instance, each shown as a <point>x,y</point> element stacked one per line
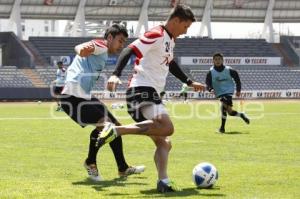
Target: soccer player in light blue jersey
<point>83,108</point>
<point>221,80</point>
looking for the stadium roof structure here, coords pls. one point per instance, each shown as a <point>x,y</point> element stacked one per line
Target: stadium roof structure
<point>129,10</point>
<point>206,11</point>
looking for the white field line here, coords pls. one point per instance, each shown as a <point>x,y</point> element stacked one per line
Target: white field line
<point>65,118</point>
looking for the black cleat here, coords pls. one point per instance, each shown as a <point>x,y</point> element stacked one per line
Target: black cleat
<point>221,130</point>
<point>166,187</point>
<point>245,118</point>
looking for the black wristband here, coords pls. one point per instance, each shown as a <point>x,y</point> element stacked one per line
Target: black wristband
<point>189,81</point>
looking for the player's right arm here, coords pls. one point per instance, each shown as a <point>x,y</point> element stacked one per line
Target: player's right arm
<point>86,49</point>
<point>179,74</point>
<point>234,74</point>
<point>208,82</point>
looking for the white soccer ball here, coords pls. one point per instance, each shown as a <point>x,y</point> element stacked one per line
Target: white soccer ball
<point>205,175</point>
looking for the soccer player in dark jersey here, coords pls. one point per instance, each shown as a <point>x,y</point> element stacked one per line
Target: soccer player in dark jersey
<point>221,79</point>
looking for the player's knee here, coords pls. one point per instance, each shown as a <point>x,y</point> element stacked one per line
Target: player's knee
<point>168,144</point>
<point>168,129</point>
<point>164,144</point>
<point>231,112</point>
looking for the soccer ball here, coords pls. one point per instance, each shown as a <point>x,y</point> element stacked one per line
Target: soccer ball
<point>205,175</point>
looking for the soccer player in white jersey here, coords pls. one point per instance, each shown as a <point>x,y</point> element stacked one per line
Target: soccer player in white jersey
<point>59,82</point>
<point>154,52</point>
<point>84,109</point>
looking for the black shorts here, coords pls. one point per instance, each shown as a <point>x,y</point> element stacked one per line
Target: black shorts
<point>57,90</point>
<point>85,112</point>
<point>184,94</point>
<point>226,99</point>
<point>138,97</point>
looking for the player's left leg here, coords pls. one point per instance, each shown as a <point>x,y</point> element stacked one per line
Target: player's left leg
<point>57,94</point>
<point>98,114</point>
<point>161,155</point>
<point>185,96</point>
<point>231,112</point>
<point>223,118</point>
<point>163,146</point>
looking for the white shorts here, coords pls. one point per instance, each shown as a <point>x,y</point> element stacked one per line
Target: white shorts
<point>153,111</point>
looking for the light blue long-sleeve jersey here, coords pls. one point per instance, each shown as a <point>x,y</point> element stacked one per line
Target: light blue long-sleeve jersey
<point>85,71</point>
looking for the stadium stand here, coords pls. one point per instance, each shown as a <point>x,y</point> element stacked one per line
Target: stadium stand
<point>38,52</point>
<point>232,47</point>
<point>291,47</point>
<point>11,76</point>
<point>57,46</point>
<point>64,46</point>
<point>262,77</point>
<point>14,52</point>
<point>253,77</point>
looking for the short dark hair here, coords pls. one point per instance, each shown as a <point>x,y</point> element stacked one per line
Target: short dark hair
<point>59,63</point>
<point>183,12</point>
<point>218,55</point>
<point>116,29</point>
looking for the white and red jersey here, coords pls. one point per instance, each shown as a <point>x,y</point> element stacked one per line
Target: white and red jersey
<point>154,52</point>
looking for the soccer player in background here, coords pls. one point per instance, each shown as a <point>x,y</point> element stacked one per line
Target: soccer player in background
<point>183,92</point>
<point>85,109</point>
<point>59,83</point>
<point>221,79</point>
<point>154,52</point>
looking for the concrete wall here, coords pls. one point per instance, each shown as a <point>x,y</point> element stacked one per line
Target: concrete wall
<point>8,94</point>
<point>14,52</point>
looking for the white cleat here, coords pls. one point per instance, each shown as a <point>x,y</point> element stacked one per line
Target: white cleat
<point>132,170</point>
<point>93,172</point>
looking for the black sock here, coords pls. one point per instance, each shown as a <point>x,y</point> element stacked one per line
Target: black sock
<point>117,147</point>
<point>93,150</point>
<point>224,117</point>
<point>235,113</point>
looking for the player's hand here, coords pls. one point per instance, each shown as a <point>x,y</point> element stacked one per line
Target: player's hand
<point>85,49</point>
<point>212,91</point>
<point>113,82</point>
<point>238,94</point>
<point>198,86</point>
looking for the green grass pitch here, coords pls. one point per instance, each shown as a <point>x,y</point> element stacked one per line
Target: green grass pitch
<point>42,151</point>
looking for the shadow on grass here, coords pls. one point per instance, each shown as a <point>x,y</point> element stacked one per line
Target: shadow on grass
<point>99,186</point>
<point>183,193</point>
<point>235,133</point>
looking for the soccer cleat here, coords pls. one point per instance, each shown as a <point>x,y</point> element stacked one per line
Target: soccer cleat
<point>167,187</point>
<point>93,172</point>
<point>245,118</point>
<point>221,130</point>
<point>107,135</point>
<point>132,170</point>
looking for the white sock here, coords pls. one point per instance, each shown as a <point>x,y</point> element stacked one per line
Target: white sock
<point>165,180</point>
